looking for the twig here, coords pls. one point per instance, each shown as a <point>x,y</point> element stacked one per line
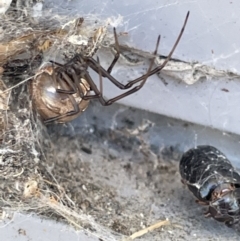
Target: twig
<point>146,230</point>
<point>20,83</point>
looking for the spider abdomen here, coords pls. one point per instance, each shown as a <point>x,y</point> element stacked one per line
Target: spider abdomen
<point>49,103</point>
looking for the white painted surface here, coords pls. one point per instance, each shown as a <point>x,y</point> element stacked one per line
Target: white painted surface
<point>4,5</point>
<point>30,227</point>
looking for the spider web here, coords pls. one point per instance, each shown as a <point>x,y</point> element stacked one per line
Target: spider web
<point>206,53</point>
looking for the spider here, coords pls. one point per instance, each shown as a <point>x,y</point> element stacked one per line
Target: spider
<point>60,93</point>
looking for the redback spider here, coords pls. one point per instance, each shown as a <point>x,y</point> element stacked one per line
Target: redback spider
<point>60,93</point>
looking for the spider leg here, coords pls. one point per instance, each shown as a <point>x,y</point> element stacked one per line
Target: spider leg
<point>68,63</point>
<point>56,63</point>
<point>94,65</point>
<point>98,94</point>
<point>136,88</point>
<point>73,89</point>
<point>100,78</point>
<point>70,113</point>
<point>117,55</point>
<point>159,68</point>
<point>72,84</point>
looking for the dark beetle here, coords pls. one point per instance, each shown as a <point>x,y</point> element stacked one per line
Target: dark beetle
<point>212,179</point>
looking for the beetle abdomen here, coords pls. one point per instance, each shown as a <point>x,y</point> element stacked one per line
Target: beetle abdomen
<point>202,161</point>
<point>213,180</point>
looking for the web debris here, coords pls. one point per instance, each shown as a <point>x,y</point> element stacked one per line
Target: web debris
<point>187,72</point>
